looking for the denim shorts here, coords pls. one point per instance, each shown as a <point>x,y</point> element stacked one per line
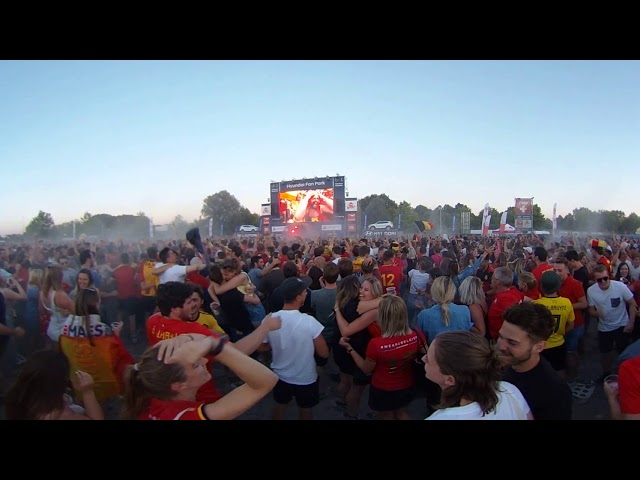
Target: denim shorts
<point>572,338</point>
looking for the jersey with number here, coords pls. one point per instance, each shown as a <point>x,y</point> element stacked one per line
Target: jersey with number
<point>391,276</point>
<point>562,312</point>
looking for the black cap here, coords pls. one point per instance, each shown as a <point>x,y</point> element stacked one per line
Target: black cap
<point>291,288</point>
<point>550,282</point>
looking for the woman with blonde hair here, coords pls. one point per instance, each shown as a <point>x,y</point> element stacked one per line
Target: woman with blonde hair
<point>444,315</point>
<point>472,295</point>
<point>468,372</point>
<point>390,357</point>
<point>55,301</point>
<point>356,309</point>
<point>528,285</point>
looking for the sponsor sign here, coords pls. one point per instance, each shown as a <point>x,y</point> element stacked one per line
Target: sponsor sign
<point>265,211</point>
<point>351,205</point>
<point>382,233</point>
<point>331,228</point>
<point>351,217</point>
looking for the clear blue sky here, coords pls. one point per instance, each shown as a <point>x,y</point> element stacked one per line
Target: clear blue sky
<point>126,136</point>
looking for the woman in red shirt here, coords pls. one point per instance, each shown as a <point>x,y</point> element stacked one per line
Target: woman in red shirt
<point>164,382</point>
<point>390,358</point>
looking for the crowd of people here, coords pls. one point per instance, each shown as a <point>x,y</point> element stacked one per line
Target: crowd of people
<point>472,327</point>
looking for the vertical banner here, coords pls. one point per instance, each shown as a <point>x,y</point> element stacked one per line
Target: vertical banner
<point>484,217</point>
<point>503,221</point>
<point>465,218</point>
<point>524,214</point>
<point>221,229</point>
<point>399,220</point>
<point>453,224</point>
<point>150,228</point>
<point>365,221</point>
<point>485,227</point>
<point>211,227</point>
<point>74,229</point>
<point>555,219</point>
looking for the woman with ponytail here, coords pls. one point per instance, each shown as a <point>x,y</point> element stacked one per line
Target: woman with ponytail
<point>467,370</point>
<point>164,382</point>
<point>444,315</point>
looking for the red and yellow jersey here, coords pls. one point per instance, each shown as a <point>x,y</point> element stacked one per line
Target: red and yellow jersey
<point>173,410</point>
<point>391,276</point>
<point>562,311</point>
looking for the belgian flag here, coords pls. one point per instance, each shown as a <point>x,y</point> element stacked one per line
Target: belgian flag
<point>423,225</point>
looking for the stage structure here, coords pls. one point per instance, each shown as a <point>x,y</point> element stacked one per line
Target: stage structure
<point>309,207</point>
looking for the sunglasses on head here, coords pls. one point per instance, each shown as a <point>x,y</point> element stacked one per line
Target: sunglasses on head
<point>603,279</point>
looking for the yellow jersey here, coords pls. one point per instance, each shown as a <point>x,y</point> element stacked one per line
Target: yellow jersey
<point>562,311</point>
<point>209,321</point>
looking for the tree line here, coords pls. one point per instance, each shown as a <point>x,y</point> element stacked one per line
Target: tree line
<point>227,214</point>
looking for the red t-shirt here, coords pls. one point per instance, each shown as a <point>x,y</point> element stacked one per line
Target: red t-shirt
<point>502,301</point>
<point>195,277</point>
<point>607,263</point>
<point>391,276</point>
<point>574,291</point>
<point>629,381</point>
<point>160,327</point>
<point>538,271</point>
<point>126,285</point>
<point>532,294</point>
<point>393,357</point>
<point>173,410</point>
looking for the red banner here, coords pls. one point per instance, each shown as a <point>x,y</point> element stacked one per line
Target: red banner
<point>524,206</point>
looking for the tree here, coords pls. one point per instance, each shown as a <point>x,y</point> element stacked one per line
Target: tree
<point>376,210</point>
<point>423,212</point>
<point>390,206</point>
<point>141,214</point>
<point>409,216</point>
<point>86,217</point>
<point>41,226</point>
<point>225,210</point>
<point>630,224</point>
<point>540,222</point>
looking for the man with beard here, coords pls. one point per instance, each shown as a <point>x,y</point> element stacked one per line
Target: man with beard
<point>522,337</point>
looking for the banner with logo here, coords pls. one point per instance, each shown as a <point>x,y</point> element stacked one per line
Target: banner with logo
<point>503,221</point>
<point>524,214</point>
<point>555,219</point>
<point>351,205</point>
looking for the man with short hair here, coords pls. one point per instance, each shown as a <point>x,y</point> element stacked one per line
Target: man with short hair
<point>522,338</point>
<point>168,269</point>
<point>294,348</point>
<point>561,309</point>
<point>608,300</point>
<point>391,273</point>
<point>540,256</point>
<point>506,295</point>
<point>290,269</point>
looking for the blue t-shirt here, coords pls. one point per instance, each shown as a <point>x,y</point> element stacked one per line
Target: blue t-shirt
<point>430,320</point>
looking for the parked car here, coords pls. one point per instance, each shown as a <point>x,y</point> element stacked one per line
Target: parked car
<point>248,228</point>
<point>381,225</point>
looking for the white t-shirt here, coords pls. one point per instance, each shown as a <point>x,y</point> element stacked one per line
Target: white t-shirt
<point>177,273</point>
<point>511,406</point>
<point>418,280</point>
<point>614,302</point>
<point>292,347</point>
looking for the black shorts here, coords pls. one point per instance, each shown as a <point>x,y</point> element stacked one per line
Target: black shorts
<point>617,336</point>
<point>307,396</point>
<point>389,400</point>
<point>556,356</point>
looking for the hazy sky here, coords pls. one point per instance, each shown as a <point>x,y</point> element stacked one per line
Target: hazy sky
<point>127,136</point>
